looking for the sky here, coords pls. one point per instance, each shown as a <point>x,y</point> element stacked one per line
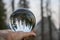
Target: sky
<point>35,8</point>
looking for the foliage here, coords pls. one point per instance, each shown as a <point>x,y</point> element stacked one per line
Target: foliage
<point>2,15</point>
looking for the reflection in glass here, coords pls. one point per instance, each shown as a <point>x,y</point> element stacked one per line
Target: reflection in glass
<point>22,20</point>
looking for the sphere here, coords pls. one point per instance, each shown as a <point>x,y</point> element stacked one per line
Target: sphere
<point>22,20</point>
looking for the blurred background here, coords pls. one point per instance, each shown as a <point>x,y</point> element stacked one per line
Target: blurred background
<point>8,6</point>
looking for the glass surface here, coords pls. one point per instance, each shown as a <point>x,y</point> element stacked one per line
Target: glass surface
<point>22,21</point>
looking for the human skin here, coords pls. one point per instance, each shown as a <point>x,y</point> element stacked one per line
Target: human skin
<point>9,35</point>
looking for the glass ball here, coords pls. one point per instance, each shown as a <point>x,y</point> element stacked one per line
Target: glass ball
<point>22,20</point>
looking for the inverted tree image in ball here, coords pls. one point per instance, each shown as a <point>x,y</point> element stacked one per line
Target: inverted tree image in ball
<point>22,20</point>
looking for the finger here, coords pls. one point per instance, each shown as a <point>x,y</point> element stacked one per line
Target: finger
<point>29,34</point>
<point>25,34</point>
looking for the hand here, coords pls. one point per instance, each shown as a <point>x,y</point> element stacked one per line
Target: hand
<point>18,35</point>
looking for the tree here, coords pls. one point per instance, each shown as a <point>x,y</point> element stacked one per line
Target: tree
<point>2,16</point>
<point>23,4</point>
<point>42,22</point>
<point>12,4</point>
<point>49,13</point>
<point>59,21</point>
